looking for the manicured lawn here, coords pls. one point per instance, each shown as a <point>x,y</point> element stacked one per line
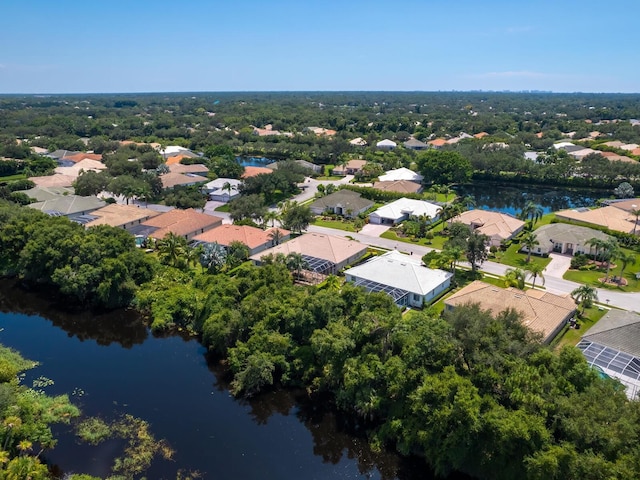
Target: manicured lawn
<point>337,224</point>
<point>516,259</point>
<point>223,208</point>
<point>10,178</point>
<point>437,242</point>
<point>571,336</point>
<point>591,277</point>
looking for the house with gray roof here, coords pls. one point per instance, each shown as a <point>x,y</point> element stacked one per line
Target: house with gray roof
<point>613,346</point>
<point>401,276</point>
<point>343,202</point>
<point>565,238</point>
<point>415,144</point>
<point>69,205</point>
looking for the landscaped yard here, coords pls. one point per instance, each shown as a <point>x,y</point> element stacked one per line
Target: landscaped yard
<point>337,224</point>
<point>571,336</point>
<point>10,178</point>
<point>591,277</point>
<point>223,208</point>
<point>516,259</point>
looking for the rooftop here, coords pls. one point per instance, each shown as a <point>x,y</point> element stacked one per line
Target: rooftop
<point>252,237</point>
<point>400,186</point>
<point>490,223</point>
<point>181,222</point>
<point>408,206</point>
<point>118,215</point>
<point>401,174</point>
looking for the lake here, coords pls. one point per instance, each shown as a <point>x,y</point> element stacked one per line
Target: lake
<point>510,198</point>
<point>110,364</point>
<point>254,161</point>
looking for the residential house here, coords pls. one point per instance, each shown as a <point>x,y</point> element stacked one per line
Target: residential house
<point>68,205</point>
<point>195,169</point>
<point>496,225</point>
<point>386,144</point>
<point>614,157</point>
<point>172,150</point>
<point>609,217</point>
<point>119,216</point>
<point>256,239</point>
<point>324,254</point>
<point>342,202</point>
<point>401,174</point>
<point>312,167</point>
<point>414,144</point>
<point>481,135</point>
<point>612,345</point>
<point>183,223</point>
<point>358,142</point>
<point>401,276</point>
<point>42,194</point>
<point>171,180</point>
<point>542,312</point>
<point>565,238</point>
<point>86,165</point>
<point>352,167</point>
<point>437,143</point>
<point>400,210</point>
<point>250,171</point>
<point>55,180</point>
<point>321,131</point>
<point>398,186</point>
<point>222,189</point>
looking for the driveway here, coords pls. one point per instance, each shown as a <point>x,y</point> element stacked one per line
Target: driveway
<point>374,230</point>
<point>558,266</point>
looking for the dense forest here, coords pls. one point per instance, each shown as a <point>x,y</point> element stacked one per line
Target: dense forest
<point>466,391</point>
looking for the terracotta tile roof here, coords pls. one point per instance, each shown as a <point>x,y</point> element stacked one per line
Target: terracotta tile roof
<point>176,159</point>
<point>611,217</point>
<point>481,134</point>
<point>400,186</point>
<point>542,311</point>
<point>172,179</point>
<point>182,223</point>
<point>252,237</point>
<point>118,215</point>
<point>193,168</point>
<point>438,142</point>
<point>82,156</point>
<point>253,171</point>
<point>491,223</point>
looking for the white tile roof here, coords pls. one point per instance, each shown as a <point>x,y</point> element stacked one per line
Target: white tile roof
<point>400,174</point>
<point>407,206</point>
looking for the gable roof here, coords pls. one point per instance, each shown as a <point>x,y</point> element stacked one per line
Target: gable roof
<point>400,271</point>
<point>400,186</point>
<point>542,311</point>
<point>400,174</point>
<point>490,223</point>
<point>317,245</point>
<point>78,157</point>
<point>407,206</point>
<point>252,237</point>
<point>618,329</point>
<point>566,233</point>
<point>118,215</point>
<point>347,199</point>
<point>181,222</point>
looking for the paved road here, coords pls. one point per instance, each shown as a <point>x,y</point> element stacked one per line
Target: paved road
<point>627,301</point>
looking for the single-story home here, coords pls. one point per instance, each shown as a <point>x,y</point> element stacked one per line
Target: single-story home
<point>410,283</point>
<point>69,205</point>
<point>121,216</point>
<point>542,312</point>
<point>41,194</point>
<point>171,180</point>
<point>496,225</point>
<point>399,186</point>
<point>400,174</point>
<point>324,254</point>
<point>55,180</point>
<point>86,165</point>
<point>386,144</point>
<point>565,238</point>
<point>256,239</point>
<point>613,346</point>
<point>183,223</point>
<point>358,142</point>
<point>250,171</point>
<point>415,144</point>
<point>400,210</point>
<point>194,168</point>
<point>352,167</point>
<point>611,217</point>
<point>222,189</point>
<point>342,202</point>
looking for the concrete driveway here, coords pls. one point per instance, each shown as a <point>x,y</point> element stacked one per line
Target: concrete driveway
<point>373,230</point>
<point>558,266</point>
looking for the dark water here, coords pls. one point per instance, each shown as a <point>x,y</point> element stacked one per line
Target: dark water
<point>254,161</point>
<point>511,199</point>
<point>112,365</point>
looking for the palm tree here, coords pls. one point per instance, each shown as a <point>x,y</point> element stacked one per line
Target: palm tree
<point>213,257</point>
<point>452,255</point>
<point>332,283</point>
<point>271,216</point>
<point>535,270</point>
<point>296,263</point>
<point>529,240</point>
<point>532,211</point>
<point>636,212</point>
<point>515,277</point>
<point>172,250</point>
<point>626,259</point>
<point>584,296</point>
<point>228,187</point>
<point>476,250</point>
<point>610,251</point>
<point>275,235</point>
<point>596,243</point>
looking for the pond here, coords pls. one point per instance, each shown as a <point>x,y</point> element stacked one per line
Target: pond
<point>510,198</point>
<point>112,365</point>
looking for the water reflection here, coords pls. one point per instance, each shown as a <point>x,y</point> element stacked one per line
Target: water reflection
<point>123,327</point>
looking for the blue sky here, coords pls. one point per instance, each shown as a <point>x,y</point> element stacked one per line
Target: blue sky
<point>70,46</point>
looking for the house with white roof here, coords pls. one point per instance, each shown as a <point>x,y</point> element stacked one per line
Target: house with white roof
<point>222,189</point>
<point>410,283</point>
<point>386,144</point>
<point>401,209</point>
<point>401,174</point>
